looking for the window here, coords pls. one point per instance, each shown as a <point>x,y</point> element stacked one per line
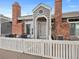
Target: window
<point>77,29</point>
<point>74,29</point>
<point>28,28</point>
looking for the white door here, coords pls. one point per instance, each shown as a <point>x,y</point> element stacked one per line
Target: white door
<point>41,32</point>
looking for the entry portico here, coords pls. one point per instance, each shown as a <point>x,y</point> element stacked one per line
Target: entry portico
<point>42,21</point>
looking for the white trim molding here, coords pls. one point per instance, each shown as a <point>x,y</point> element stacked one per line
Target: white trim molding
<point>43,5</point>
<point>36,25</point>
<point>31,27</point>
<point>0,28</point>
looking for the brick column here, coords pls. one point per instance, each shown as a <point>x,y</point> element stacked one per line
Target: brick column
<point>61,29</point>
<point>17,27</point>
<point>58,17</point>
<point>16,12</point>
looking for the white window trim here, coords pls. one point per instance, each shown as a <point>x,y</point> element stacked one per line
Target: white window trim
<point>31,23</point>
<point>74,23</point>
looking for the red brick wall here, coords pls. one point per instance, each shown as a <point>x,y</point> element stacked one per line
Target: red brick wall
<point>17,27</point>
<point>60,27</point>
<point>66,30</point>
<point>58,16</point>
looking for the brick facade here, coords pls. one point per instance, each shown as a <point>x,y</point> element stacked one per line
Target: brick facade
<point>17,27</point>
<point>61,29</point>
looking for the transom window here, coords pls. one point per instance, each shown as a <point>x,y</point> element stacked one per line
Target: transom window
<point>72,20</point>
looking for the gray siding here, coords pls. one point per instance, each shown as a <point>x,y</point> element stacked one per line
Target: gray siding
<point>6,28</point>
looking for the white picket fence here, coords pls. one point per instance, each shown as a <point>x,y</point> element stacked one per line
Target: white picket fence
<point>46,48</point>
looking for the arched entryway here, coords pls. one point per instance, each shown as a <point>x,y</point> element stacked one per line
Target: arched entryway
<point>41,27</point>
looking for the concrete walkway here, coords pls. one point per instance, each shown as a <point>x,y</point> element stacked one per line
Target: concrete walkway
<point>5,54</point>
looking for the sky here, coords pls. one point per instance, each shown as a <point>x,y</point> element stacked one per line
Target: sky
<point>28,5</point>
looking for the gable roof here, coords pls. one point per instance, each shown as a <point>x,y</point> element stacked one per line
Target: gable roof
<point>43,5</point>
<point>27,17</point>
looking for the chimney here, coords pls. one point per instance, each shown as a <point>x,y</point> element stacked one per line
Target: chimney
<point>16,12</point>
<point>58,17</point>
<point>17,27</point>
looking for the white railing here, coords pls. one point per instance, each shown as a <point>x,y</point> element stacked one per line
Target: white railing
<point>45,48</point>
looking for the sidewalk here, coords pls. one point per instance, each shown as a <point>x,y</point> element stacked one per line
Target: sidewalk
<point>5,54</point>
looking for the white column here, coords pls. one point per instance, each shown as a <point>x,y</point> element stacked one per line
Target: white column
<point>31,30</point>
<point>47,36</point>
<point>35,29</point>
<point>50,27</point>
<point>0,28</point>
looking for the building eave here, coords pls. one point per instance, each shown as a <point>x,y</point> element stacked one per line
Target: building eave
<point>6,19</point>
<point>25,17</point>
<point>69,14</point>
<point>64,15</point>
